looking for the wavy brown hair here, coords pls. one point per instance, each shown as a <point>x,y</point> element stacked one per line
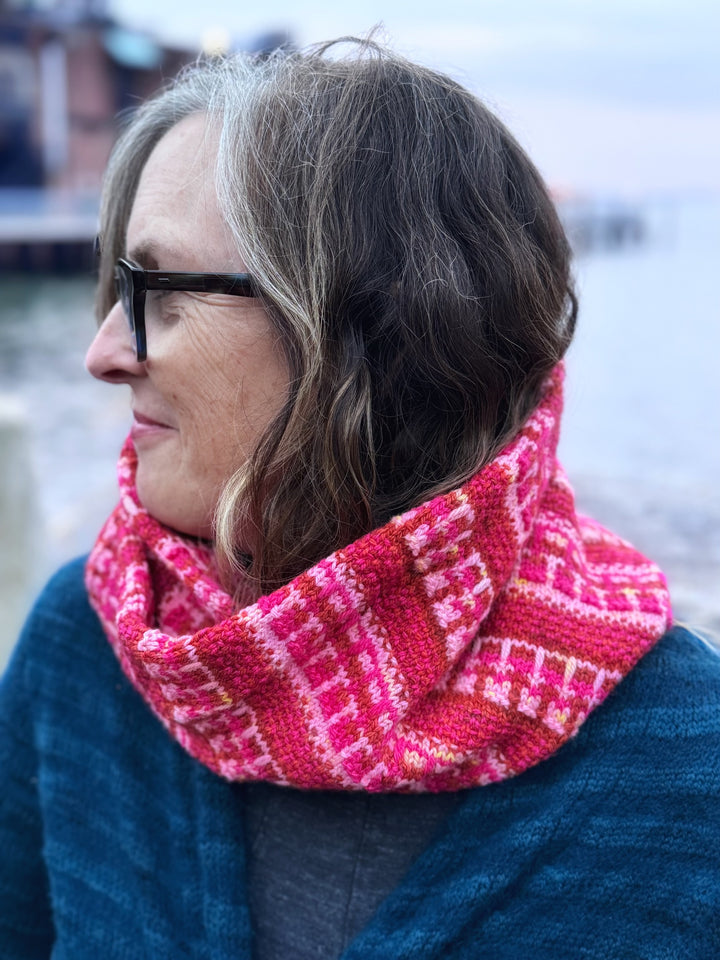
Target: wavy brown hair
<point>412,262</point>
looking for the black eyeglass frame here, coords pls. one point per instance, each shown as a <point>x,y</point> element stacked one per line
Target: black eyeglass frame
<point>132,283</point>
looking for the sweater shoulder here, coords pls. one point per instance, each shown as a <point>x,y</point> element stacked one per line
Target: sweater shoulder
<point>64,595</point>
<point>682,647</point>
<point>62,606</point>
<point>62,638</point>
<point>680,675</point>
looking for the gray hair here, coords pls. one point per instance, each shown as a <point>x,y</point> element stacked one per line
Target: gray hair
<point>409,256</point>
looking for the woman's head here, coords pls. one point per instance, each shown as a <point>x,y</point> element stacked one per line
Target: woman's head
<point>214,375</point>
<point>411,270</point>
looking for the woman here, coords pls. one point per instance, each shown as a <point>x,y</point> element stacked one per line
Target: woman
<point>410,703</point>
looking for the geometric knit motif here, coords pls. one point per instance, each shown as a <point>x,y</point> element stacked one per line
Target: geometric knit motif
<point>460,644</point>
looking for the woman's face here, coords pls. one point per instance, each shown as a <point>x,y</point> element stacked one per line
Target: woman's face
<point>215,375</point>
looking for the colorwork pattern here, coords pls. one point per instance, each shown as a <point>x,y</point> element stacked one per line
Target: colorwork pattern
<point>458,645</point>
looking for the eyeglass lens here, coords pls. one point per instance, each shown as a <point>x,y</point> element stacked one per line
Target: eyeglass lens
<point>124,292</point>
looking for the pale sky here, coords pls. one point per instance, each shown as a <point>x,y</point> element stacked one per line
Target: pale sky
<point>609,96</point>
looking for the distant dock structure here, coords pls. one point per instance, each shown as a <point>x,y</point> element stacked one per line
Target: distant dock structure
<point>596,224</point>
<point>46,230</point>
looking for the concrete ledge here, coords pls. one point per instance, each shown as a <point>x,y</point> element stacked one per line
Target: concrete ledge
<point>18,521</point>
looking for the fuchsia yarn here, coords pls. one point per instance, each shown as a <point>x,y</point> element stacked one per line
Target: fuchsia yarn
<point>458,645</point>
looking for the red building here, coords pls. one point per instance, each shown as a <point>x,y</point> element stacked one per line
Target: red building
<point>65,74</point>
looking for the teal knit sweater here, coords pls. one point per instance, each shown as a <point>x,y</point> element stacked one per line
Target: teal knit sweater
<point>116,845</point>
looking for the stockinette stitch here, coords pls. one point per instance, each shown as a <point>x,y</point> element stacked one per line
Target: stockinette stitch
<point>458,645</point>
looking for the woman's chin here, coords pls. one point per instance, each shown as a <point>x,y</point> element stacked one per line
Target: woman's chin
<point>173,505</point>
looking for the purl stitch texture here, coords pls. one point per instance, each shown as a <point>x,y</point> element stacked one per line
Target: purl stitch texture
<point>458,645</point>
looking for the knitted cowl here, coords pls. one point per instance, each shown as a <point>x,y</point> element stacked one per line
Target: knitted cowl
<point>458,645</point>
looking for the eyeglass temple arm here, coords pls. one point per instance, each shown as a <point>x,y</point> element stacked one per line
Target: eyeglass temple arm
<point>199,282</point>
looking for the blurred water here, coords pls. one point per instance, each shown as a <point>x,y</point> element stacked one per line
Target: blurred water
<point>644,395</point>
<point>640,440</point>
<point>76,423</point>
<point>641,437</point>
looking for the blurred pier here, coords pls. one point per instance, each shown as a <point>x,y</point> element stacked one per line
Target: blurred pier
<point>52,229</point>
<point>47,230</point>
<point>595,223</point>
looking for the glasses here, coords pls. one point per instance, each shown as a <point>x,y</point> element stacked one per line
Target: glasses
<point>132,284</point>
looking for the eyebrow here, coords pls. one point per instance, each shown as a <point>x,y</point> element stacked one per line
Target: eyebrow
<point>149,256</point>
<point>144,256</point>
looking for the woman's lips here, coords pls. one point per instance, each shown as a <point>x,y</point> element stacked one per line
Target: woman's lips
<point>145,427</point>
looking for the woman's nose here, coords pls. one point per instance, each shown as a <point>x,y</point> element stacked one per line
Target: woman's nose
<point>111,356</point>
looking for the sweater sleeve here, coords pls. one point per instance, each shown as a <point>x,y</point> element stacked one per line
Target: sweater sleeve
<point>26,928</point>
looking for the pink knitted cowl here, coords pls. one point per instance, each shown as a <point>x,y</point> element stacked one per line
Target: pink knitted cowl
<point>458,645</point>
